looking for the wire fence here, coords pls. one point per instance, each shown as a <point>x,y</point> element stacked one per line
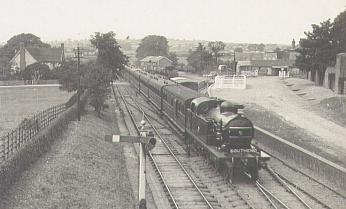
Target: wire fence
<point>29,128</point>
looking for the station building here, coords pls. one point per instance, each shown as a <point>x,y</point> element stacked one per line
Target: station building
<point>264,67</point>
<point>155,63</point>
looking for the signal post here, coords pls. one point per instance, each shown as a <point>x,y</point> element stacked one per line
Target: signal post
<point>146,142</point>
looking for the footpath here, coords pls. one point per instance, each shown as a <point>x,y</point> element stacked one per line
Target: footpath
<point>80,171</point>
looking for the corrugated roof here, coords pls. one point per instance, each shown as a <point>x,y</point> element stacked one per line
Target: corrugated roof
<point>270,63</point>
<point>154,59</point>
<point>46,54</point>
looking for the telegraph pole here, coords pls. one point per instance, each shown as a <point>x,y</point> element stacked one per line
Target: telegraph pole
<point>78,90</point>
<point>235,64</point>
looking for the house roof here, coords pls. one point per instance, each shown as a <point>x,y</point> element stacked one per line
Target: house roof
<point>270,63</point>
<point>46,54</point>
<point>154,59</point>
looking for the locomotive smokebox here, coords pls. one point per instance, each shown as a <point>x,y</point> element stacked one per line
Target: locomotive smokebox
<point>227,106</point>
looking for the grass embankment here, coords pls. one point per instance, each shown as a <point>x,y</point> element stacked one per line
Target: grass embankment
<point>334,109</point>
<point>80,171</point>
<point>276,124</point>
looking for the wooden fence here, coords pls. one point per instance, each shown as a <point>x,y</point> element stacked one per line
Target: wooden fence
<point>28,129</point>
<point>233,81</point>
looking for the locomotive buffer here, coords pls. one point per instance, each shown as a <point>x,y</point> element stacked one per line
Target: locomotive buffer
<point>146,142</point>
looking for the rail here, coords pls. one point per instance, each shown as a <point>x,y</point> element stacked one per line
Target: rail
<point>170,151</point>
<point>138,132</point>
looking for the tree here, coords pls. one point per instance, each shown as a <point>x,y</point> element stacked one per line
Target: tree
<point>152,45</point>
<point>28,39</point>
<point>216,47</point>
<point>95,76</point>
<point>36,72</point>
<point>97,79</point>
<point>13,44</point>
<point>200,58</point>
<point>173,57</point>
<point>317,50</point>
<point>238,50</point>
<point>252,47</point>
<point>339,32</point>
<point>261,47</point>
<point>4,65</point>
<point>68,76</point>
<point>109,53</point>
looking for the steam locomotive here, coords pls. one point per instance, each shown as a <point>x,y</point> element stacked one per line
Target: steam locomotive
<point>213,127</point>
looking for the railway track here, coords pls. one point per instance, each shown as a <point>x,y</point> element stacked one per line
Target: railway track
<point>280,192</point>
<point>277,195</point>
<point>181,189</point>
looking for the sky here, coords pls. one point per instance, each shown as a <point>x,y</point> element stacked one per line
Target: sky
<point>238,21</point>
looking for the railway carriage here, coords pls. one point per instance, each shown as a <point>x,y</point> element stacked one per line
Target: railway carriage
<point>175,100</point>
<point>215,128</point>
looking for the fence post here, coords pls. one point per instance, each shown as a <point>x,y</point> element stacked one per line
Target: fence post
<point>8,144</point>
<point>49,114</point>
<point>44,118</point>
<point>26,131</point>
<point>16,139</point>
<point>11,141</point>
<point>22,135</point>
<point>3,148</point>
<point>30,131</point>
<point>33,124</point>
<point>41,120</point>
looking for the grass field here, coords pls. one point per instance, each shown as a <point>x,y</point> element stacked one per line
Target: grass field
<point>16,103</point>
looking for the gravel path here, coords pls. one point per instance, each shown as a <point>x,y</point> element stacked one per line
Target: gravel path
<point>80,171</point>
<point>272,94</point>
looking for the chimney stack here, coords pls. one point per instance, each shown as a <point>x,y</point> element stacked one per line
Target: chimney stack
<point>293,44</point>
<point>22,63</point>
<point>62,52</point>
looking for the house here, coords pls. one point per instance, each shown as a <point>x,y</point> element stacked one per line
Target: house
<point>155,63</point>
<point>335,77</point>
<point>25,56</point>
<point>263,67</point>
